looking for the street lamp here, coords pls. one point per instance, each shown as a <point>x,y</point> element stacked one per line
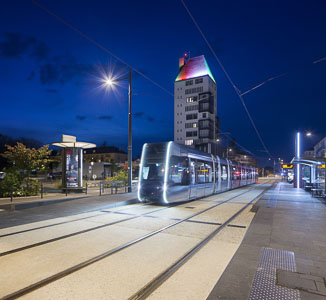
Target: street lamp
<point>298,155</point>
<point>111,82</point>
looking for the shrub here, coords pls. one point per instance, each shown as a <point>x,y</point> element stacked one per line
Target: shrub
<point>13,180</point>
<point>19,185</point>
<point>30,187</point>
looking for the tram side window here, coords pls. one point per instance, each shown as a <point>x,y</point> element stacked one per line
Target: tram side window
<point>179,170</point>
<point>192,172</point>
<point>200,172</point>
<point>209,172</point>
<point>235,173</point>
<point>224,175</point>
<point>217,171</point>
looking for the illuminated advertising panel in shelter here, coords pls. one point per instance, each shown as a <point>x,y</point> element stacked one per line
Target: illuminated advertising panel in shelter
<point>72,167</point>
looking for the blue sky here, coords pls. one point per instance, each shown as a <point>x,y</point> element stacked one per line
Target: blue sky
<point>48,72</point>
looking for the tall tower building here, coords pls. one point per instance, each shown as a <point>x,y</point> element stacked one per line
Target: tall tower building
<point>195,111</point>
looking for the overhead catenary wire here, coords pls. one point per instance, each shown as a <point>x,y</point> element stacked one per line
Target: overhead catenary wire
<point>97,44</point>
<point>227,76</point>
<point>280,75</point>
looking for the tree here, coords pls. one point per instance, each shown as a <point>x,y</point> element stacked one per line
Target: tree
<point>23,158</point>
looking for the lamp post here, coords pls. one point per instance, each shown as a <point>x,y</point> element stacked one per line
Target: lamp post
<point>110,82</point>
<point>227,134</point>
<point>298,156</point>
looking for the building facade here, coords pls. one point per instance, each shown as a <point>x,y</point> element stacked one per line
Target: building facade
<point>320,149</point>
<point>195,105</point>
<point>105,154</point>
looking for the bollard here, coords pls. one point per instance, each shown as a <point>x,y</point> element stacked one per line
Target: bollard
<point>11,193</point>
<point>66,192</point>
<point>41,190</point>
<point>103,187</point>
<point>86,188</point>
<point>111,188</point>
<point>125,187</point>
<point>116,187</point>
<point>100,188</point>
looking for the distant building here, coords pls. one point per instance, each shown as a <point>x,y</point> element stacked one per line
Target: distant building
<point>242,158</point>
<point>195,111</point>
<point>105,154</point>
<point>320,149</point>
<point>309,154</point>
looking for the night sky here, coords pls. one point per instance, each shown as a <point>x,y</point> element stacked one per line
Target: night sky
<point>50,75</point>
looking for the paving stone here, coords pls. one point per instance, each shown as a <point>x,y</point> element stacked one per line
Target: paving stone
<point>294,281</point>
<point>321,287</point>
<point>309,296</point>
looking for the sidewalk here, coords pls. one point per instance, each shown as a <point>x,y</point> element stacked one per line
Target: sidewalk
<point>283,255</point>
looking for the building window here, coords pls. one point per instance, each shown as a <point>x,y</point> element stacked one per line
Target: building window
<point>194,90</point>
<point>204,115</point>
<point>191,125</point>
<point>199,80</point>
<point>191,133</point>
<point>191,116</point>
<point>191,107</point>
<point>189,142</point>
<point>189,82</point>
<point>191,99</point>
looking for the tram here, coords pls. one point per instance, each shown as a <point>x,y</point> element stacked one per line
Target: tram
<point>171,172</point>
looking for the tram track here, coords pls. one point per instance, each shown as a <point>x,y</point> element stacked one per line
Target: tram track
<point>102,209</point>
<point>132,216</point>
<point>108,253</point>
<point>76,233</point>
<point>151,286</point>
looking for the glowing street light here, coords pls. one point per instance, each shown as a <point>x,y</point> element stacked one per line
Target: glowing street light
<point>110,82</point>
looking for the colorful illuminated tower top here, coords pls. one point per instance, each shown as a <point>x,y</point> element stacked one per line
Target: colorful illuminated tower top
<point>193,67</point>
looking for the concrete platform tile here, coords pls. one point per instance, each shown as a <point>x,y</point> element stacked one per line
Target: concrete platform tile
<point>193,230</point>
<point>43,261</point>
<point>230,235</point>
<point>119,276</point>
<point>218,214</point>
<point>145,223</point>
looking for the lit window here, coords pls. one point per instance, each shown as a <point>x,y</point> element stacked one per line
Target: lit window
<point>189,142</point>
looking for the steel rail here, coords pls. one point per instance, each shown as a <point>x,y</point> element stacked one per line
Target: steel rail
<point>106,254</point>
<point>163,276</point>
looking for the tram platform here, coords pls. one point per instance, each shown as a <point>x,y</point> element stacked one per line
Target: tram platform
<point>283,254</point>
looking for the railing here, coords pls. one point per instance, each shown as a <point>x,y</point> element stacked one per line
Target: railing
<point>94,188</point>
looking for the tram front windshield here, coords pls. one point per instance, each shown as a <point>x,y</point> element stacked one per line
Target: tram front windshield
<point>153,163</point>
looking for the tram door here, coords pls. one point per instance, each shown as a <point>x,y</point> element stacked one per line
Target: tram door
<point>193,190</point>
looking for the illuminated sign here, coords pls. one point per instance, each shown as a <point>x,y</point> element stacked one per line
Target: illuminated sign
<point>71,167</point>
<point>285,166</point>
<point>321,167</point>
